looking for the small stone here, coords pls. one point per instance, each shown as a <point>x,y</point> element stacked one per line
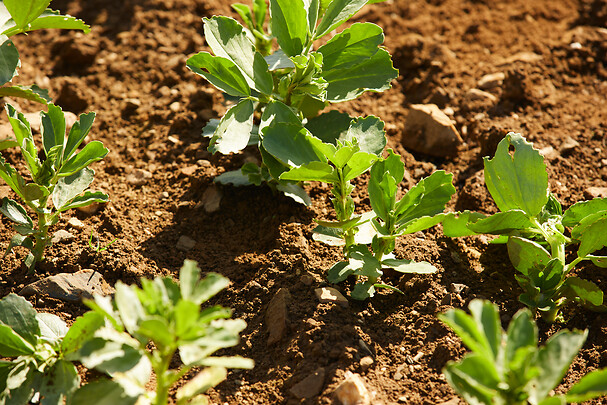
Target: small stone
<point>76,223</point>
<point>525,57</point>
<point>549,152</point>
<point>352,391</point>
<point>365,363</point>
<point>330,294</point>
<point>595,192</point>
<point>138,177</point>
<point>175,106</point>
<point>403,398</point>
<point>310,386</point>
<point>185,243</point>
<point>568,145</point>
<point>211,199</point>
<point>188,171</point>
<point>70,286</point>
<point>458,288</point>
<point>132,104</point>
<point>429,130</point>
<point>62,236</point>
<point>89,209</point>
<point>480,95</point>
<point>276,316</point>
<point>452,401</point>
<point>398,374</point>
<point>491,80</point>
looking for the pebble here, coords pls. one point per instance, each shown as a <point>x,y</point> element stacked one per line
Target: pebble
<point>452,401</point>
<point>276,316</point>
<point>70,286</point>
<point>211,199</point>
<point>62,236</point>
<point>549,152</point>
<point>568,145</point>
<point>307,279</point>
<point>76,223</point>
<point>429,130</point>
<point>366,362</point>
<point>458,288</point>
<point>138,177</point>
<point>89,209</point>
<point>310,386</point>
<point>595,192</point>
<point>185,243</point>
<point>352,391</point>
<point>330,294</point>
<point>188,171</point>
<point>480,95</point>
<point>175,106</point>
<point>491,80</point>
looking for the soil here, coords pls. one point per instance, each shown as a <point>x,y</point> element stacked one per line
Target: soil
<point>150,110</point>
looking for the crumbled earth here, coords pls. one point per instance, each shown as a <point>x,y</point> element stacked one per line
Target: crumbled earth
<point>549,61</point>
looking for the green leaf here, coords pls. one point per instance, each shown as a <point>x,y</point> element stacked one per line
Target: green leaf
<point>92,152</point>
<point>294,192</point>
<point>522,334</point>
<point>329,126</point>
<point>53,128</point>
<point>9,60</point>
<point>370,134</point>
<point>583,290</point>
<point>502,223</point>
<point>20,315</point>
<point>81,331</point>
<point>599,261</point>
<point>201,383</point>
<point>13,345</point>
<point>409,266</point>
<point>277,111</point>
<point>25,11</point>
<point>245,13</point>
<point>78,133</point>
<point>227,39</point>
<point>289,25</point>
<point>385,176</point>
<point>260,9</point>
<point>103,392</point>
<point>291,144</point>
<point>526,255</point>
<point>212,284</point>
<point>553,360</point>
<point>374,74</point>
<point>158,331</point>
<point>362,291</point>
<point>110,356</point>
<point>352,46</point>
<point>594,237</point>
<point>517,181</point>
<point>313,171</point>
<point>228,362</point>
<point>234,130</point>
<point>33,92</point>
<point>50,19</point>
<point>52,328</point>
<point>578,211</point>
<point>23,134</point>
<point>481,332</point>
<point>338,12</point>
<point>129,307</point>
<point>341,271</point>
<point>87,198</point>
<point>592,385</point>
<point>70,187</point>
<point>455,224</point>
<point>15,212</point>
<point>59,382</point>
<point>359,163</point>
<point>279,60</point>
<point>220,72</point>
<point>474,378</point>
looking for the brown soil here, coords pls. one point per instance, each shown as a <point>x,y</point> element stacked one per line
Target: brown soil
<point>262,242</point>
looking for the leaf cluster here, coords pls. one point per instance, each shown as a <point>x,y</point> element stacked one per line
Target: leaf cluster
<point>61,176</point>
<point>508,367</point>
<point>114,339</point>
<point>538,231</point>
<point>22,16</point>
<point>291,84</point>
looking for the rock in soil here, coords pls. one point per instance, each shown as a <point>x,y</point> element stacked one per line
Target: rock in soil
<point>276,316</point>
<point>491,81</point>
<point>330,294</point>
<point>75,223</point>
<point>310,386</point>
<point>352,391</point>
<point>429,130</point>
<point>138,177</point>
<point>595,192</point>
<point>62,236</point>
<point>185,243</point>
<point>70,286</point>
<point>211,199</point>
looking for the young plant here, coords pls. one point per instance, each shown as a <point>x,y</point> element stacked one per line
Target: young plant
<point>97,248</point>
<point>22,16</point>
<point>508,367</point>
<point>296,79</point>
<point>62,177</point>
<point>532,222</point>
<point>41,349</point>
<point>419,209</point>
<point>166,316</point>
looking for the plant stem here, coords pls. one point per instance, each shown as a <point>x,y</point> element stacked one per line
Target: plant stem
<point>161,367</point>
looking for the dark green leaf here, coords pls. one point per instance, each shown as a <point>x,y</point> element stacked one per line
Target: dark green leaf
<point>295,192</point>
<point>585,291</point>
<point>20,315</point>
<point>92,152</point>
<point>374,74</point>
<point>82,330</point>
<point>87,198</point>
<point>15,212</point>
<point>234,130</point>
<point>583,209</point>
<point>289,25</point>
<point>103,392</point>
<point>109,356</point>
<point>522,334</point>
<point>279,60</point>
<point>291,144</point>
<point>9,60</point>
<point>369,133</point>
<point>221,72</point>
<point>352,46</point>
<point>474,378</point>
<point>525,254</point>
<point>313,171</point>
<point>340,271</point>
<point>279,112</point>
<point>70,187</point>
<point>59,382</point>
<point>517,181</point>
<point>362,291</point>
<point>502,223</point>
<point>78,133</point>
<point>13,345</point>
<point>329,126</point>
<point>594,236</point>
<point>338,12</point>
<point>53,127</point>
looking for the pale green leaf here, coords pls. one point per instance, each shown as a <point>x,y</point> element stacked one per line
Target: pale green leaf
<point>234,130</point>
